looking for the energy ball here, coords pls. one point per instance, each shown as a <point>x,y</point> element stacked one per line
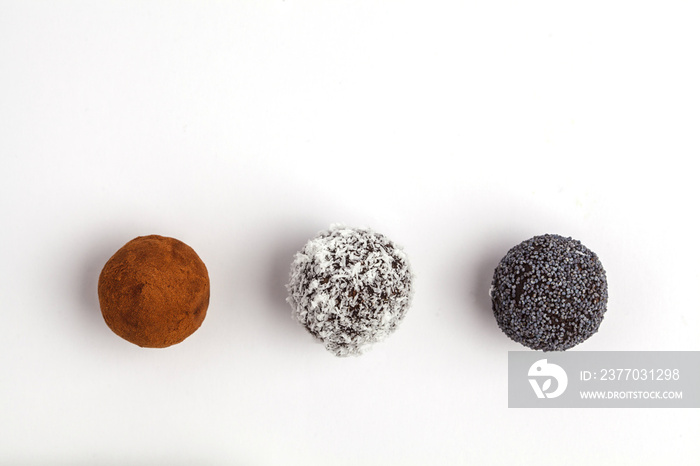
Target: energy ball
<point>350,287</point>
<point>549,293</point>
<point>154,291</point>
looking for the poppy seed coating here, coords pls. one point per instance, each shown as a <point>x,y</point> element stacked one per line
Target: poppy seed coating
<point>549,293</point>
<point>350,288</point>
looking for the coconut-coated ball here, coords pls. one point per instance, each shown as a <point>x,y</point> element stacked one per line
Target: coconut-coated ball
<point>154,291</point>
<point>350,287</point>
<point>549,293</point>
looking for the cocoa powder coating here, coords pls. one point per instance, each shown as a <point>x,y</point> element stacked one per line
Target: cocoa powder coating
<point>154,291</point>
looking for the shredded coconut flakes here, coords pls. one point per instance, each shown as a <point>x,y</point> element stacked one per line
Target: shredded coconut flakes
<point>350,288</point>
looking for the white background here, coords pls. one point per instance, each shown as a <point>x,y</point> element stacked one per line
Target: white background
<point>244,128</point>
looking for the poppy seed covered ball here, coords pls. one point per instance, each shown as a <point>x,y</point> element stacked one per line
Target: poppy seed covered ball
<point>549,293</point>
<point>350,288</point>
<point>154,291</point>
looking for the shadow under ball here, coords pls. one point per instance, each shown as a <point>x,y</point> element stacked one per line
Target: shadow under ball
<point>154,291</point>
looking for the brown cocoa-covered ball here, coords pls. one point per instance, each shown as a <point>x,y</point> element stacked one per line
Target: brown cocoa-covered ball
<point>154,291</point>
